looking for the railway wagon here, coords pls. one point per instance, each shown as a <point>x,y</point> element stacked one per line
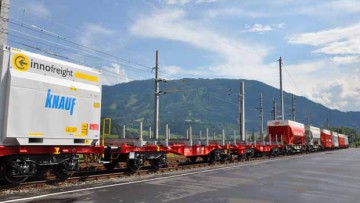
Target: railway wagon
<point>346,141</point>
<point>343,141</point>
<point>290,133</point>
<point>335,140</point>
<point>312,135</point>
<point>326,139</point>
<point>49,111</point>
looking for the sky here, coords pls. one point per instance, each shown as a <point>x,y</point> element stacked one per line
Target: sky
<point>318,41</point>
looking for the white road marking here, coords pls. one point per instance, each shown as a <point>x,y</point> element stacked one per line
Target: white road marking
<point>149,180</point>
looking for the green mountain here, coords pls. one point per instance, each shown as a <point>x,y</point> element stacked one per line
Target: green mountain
<point>210,103</point>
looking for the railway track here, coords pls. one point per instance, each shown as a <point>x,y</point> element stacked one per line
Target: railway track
<point>100,174</point>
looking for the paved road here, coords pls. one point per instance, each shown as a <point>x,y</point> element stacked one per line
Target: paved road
<point>323,177</point>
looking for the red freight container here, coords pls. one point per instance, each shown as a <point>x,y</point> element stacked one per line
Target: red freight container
<point>342,143</point>
<point>326,139</point>
<point>287,132</point>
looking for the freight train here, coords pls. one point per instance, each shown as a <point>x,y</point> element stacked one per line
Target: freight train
<point>50,114</point>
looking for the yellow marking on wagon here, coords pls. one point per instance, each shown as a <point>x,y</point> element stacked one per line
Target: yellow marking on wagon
<point>71,129</point>
<point>96,105</point>
<point>57,150</point>
<point>86,77</point>
<point>36,134</point>
<point>73,88</point>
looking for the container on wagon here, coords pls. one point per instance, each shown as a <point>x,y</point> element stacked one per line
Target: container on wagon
<point>326,138</point>
<point>313,135</point>
<point>346,141</point>
<point>287,132</point>
<point>45,101</point>
<point>335,139</point>
<point>342,141</point>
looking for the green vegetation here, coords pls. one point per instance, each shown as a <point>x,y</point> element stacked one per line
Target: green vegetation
<point>354,136</point>
<point>205,103</point>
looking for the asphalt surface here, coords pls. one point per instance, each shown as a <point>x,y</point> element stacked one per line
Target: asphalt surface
<point>322,177</point>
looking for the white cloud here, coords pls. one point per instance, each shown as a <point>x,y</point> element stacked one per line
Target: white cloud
<point>240,59</point>
<point>327,36</point>
<point>350,6</point>
<point>234,12</point>
<point>205,1</point>
<point>236,54</point>
<point>324,82</point>
<point>334,7</point>
<point>169,71</point>
<point>114,75</point>
<point>93,33</point>
<point>38,9</point>
<point>174,2</point>
<point>183,2</point>
<point>258,28</point>
<point>348,46</point>
<point>346,59</point>
<point>337,41</point>
<point>263,28</point>
<point>341,93</point>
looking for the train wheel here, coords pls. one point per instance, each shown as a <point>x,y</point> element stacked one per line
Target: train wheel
<point>240,157</point>
<point>193,159</point>
<point>212,158</point>
<point>205,158</point>
<point>110,166</point>
<point>223,159</point>
<point>159,162</point>
<point>132,165</point>
<point>62,171</point>
<point>65,169</point>
<point>155,163</point>
<point>15,180</point>
<point>9,171</point>
<point>10,178</point>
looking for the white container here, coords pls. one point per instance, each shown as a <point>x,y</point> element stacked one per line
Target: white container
<point>45,101</point>
<point>346,140</point>
<point>313,135</point>
<point>335,139</point>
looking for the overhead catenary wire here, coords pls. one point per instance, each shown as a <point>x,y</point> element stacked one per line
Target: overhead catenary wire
<point>30,27</point>
<point>67,48</point>
<point>78,50</point>
<point>123,61</point>
<point>70,28</point>
<point>293,81</point>
<point>107,72</point>
<point>88,50</point>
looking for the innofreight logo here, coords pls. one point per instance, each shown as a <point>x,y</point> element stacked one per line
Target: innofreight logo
<point>20,62</point>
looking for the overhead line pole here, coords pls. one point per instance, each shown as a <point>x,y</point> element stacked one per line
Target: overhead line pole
<point>281,91</point>
<point>274,109</point>
<point>242,111</point>
<point>157,94</point>
<point>261,116</point>
<point>293,107</point>
<point>4,13</point>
